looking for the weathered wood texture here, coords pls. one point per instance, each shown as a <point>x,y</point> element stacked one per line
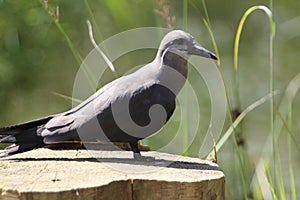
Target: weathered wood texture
<point>76,174</point>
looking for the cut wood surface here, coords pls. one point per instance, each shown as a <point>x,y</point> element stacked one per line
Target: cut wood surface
<point>81,174</point>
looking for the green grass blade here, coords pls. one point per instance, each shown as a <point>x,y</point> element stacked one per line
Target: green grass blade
<point>288,128</point>
<point>279,175</point>
<point>267,186</point>
<point>231,129</point>
<point>71,99</point>
<point>185,111</point>
<point>291,171</point>
<point>240,28</point>
<point>206,23</point>
<point>283,110</point>
<point>268,12</point>
<point>292,182</point>
<point>208,26</point>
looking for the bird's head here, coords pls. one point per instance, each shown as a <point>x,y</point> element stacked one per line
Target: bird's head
<point>182,44</point>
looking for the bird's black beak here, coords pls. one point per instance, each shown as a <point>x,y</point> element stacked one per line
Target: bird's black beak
<point>200,51</point>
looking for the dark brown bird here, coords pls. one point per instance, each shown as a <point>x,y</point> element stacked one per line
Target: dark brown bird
<point>127,109</point>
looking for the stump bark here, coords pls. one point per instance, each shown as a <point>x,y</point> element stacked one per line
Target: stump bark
<point>80,174</point>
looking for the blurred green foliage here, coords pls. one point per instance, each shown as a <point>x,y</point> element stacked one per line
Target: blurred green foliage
<point>35,58</point>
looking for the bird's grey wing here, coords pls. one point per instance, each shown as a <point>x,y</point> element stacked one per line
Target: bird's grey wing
<point>59,124</point>
<point>64,126</point>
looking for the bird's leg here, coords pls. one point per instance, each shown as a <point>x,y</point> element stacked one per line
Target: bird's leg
<point>137,154</point>
<point>135,148</point>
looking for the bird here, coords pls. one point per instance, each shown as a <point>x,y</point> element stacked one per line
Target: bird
<point>128,109</point>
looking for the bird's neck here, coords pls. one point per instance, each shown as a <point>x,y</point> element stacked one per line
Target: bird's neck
<point>176,62</point>
<point>172,71</point>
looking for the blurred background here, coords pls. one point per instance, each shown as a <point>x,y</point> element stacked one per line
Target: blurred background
<point>42,44</point>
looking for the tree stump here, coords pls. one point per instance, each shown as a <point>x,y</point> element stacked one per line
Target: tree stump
<point>80,174</point>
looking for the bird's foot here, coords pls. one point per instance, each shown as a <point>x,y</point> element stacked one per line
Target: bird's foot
<point>139,157</point>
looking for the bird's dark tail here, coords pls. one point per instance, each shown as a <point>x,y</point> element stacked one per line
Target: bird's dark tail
<point>24,136</point>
